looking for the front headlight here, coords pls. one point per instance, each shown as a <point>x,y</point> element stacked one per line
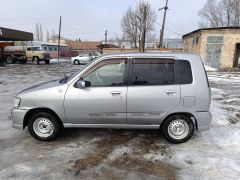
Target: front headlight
<point>16,102</point>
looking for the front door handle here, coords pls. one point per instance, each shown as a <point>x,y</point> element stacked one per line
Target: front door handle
<point>171,92</point>
<point>115,93</point>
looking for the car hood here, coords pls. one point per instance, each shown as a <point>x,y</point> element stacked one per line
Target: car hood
<point>42,86</point>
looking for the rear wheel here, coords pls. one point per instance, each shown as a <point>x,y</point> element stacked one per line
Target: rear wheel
<point>178,129</point>
<point>36,60</point>
<point>76,62</point>
<point>44,126</point>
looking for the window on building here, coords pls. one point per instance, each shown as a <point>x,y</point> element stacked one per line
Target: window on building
<point>195,40</point>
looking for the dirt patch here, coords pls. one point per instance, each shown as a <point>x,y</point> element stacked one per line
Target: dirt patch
<point>129,163</point>
<point>105,147</point>
<point>238,115</point>
<point>189,162</point>
<point>218,99</point>
<point>157,168</point>
<point>233,120</point>
<point>233,102</point>
<point>148,143</point>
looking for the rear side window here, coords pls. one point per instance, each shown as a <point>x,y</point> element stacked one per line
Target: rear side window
<point>153,72</point>
<point>185,73</point>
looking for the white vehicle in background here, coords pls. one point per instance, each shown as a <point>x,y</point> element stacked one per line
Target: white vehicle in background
<point>84,58</point>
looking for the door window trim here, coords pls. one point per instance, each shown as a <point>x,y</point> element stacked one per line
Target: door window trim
<point>106,62</point>
<point>163,60</point>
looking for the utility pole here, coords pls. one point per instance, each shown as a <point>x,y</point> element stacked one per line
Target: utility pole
<point>144,29</point>
<point>59,35</point>
<point>163,24</point>
<point>105,37</point>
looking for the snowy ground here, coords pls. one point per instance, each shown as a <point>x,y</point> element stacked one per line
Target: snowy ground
<point>119,154</point>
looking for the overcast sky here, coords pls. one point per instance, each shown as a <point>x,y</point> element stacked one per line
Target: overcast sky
<point>88,19</point>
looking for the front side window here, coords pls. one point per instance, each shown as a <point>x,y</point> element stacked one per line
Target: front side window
<point>107,73</point>
<point>36,48</point>
<point>153,72</point>
<point>84,54</point>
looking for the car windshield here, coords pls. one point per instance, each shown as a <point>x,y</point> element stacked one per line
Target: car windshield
<point>36,48</point>
<point>82,67</point>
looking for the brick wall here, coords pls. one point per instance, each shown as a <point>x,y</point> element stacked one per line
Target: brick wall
<point>231,38</point>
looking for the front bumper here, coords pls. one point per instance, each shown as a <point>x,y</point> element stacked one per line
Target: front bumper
<point>203,120</point>
<point>17,117</point>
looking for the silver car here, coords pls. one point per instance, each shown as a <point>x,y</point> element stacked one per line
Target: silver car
<point>84,58</point>
<point>165,91</point>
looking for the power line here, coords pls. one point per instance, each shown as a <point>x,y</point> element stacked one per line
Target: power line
<point>168,29</point>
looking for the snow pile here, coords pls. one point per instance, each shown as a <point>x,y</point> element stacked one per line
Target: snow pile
<point>208,68</point>
<point>60,60</point>
<point>119,151</point>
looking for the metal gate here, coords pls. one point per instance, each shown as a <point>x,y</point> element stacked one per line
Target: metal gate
<point>214,51</point>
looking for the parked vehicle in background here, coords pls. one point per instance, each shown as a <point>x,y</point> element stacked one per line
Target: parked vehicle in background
<point>164,91</point>
<point>84,58</point>
<point>22,54</point>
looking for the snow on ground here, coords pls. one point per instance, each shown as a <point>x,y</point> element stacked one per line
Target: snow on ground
<point>119,154</point>
<point>60,60</point>
<point>208,68</point>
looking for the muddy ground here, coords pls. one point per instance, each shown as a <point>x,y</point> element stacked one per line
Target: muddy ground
<point>119,154</point>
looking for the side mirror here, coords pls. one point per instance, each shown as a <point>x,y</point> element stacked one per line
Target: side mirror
<point>83,84</point>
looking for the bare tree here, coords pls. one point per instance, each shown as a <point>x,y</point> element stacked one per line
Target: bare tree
<point>40,32</point>
<point>133,24</point>
<point>130,26</point>
<point>47,36</point>
<point>119,41</point>
<point>236,12</point>
<point>210,13</point>
<point>54,36</point>
<point>36,34</point>
<point>223,13</point>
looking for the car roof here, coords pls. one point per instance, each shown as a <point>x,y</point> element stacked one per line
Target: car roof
<point>175,55</point>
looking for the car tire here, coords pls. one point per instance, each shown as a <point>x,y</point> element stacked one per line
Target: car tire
<point>76,62</point>
<point>9,60</point>
<point>44,126</point>
<point>178,129</point>
<point>35,60</point>
<point>47,61</point>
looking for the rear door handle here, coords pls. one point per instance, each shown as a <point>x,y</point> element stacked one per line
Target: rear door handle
<point>115,93</point>
<point>171,92</point>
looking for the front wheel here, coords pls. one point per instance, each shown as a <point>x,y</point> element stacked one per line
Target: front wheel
<point>178,129</point>
<point>76,62</point>
<point>44,126</point>
<point>36,60</point>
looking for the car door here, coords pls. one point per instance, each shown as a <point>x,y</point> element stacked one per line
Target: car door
<point>85,58</point>
<point>29,53</point>
<point>104,102</point>
<point>152,90</point>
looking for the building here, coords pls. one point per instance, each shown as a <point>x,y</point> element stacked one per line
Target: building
<point>218,47</point>
<point>167,43</point>
<point>62,41</point>
<point>84,45</point>
<point>12,35</point>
